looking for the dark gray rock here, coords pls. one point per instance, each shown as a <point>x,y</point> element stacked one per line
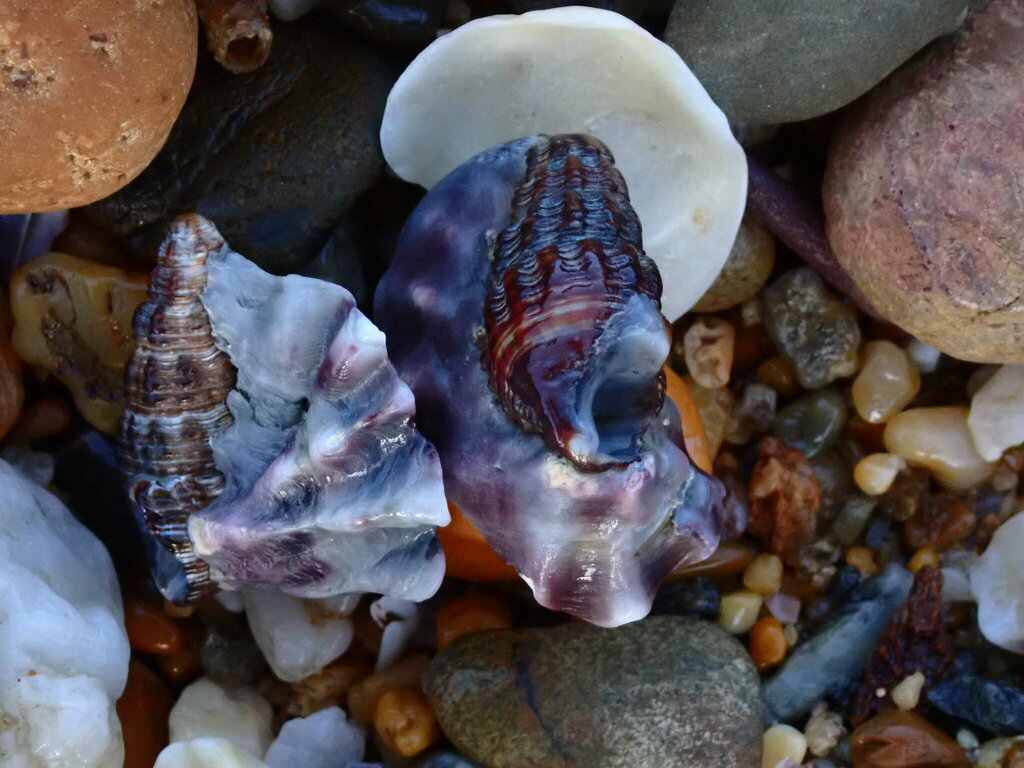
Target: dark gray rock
<point>273,157</point>
<point>778,62</point>
<point>838,651</point>
<point>665,692</point>
<point>992,706</point>
<point>812,423</point>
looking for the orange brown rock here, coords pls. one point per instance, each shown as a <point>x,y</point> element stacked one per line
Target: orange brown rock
<point>904,740</point>
<point>784,499</point>
<point>88,93</point>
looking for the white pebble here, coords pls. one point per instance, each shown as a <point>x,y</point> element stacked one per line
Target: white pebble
<point>399,619</point>
<point>925,356</point>
<point>907,692</point>
<point>782,742</point>
<point>241,716</point>
<point>326,739</point>
<point>997,583</point>
<point>63,648</point>
<point>299,637</point>
<point>209,752</point>
<point>996,420</point>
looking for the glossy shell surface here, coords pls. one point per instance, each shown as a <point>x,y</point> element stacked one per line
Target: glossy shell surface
<point>595,544</point>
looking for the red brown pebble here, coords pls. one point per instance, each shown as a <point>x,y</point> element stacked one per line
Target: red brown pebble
<point>46,417</point>
<point>917,640</point>
<point>784,499</point>
<point>150,630</point>
<point>942,521</point>
<point>904,740</point>
<point>143,710</point>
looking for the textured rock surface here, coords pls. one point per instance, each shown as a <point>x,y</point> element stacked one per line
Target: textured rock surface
<point>63,647</point>
<point>922,191</point>
<point>779,62</point>
<point>666,691</point>
<point>88,93</point>
<point>274,157</point>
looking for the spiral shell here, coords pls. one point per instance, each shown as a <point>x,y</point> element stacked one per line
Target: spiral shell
<point>176,386</point>
<point>569,280</point>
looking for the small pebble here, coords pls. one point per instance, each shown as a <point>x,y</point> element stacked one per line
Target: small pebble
<point>715,407</point>
<point>764,574</point>
<point>143,710</point>
<point>752,415</point>
<point>823,731</point>
<point>708,346</point>
<point>991,753</point>
<point>749,265</point>
<point>812,329</point>
<point>778,374</point>
<point>996,418</point>
<point>326,739</point>
<point>939,440</point>
<point>405,722</point>
<point>781,742</point>
<point>812,423</point>
<point>783,607</point>
<point>364,695</point>
<point>863,559</point>
<point>230,656</point>
<point>328,687</point>
<point>888,381</point>
<point>852,519</point>
<point>473,613</point>
<point>874,474</point>
<point>150,630</point>
<point>834,478</point>
<point>925,557</point>
<point>995,707</point>
<point>907,692</point>
<point>240,715</point>
<point>768,644</point>
<point>944,520</point>
<point>997,583</point>
<point>738,611</point>
<point>925,356</point>
<point>904,740</point>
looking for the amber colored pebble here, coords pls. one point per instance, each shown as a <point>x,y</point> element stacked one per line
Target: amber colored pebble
<point>364,695</point>
<point>46,417</point>
<point>904,739</point>
<point>150,630</point>
<point>729,559</point>
<point>778,373</point>
<point>867,434</point>
<point>768,644</point>
<point>472,613</point>
<point>181,666</point>
<point>327,687</point>
<point>926,557</point>
<point>694,436</point>
<point>942,521</point>
<point>405,722</point>
<point>143,710</point>
<point>863,559</point>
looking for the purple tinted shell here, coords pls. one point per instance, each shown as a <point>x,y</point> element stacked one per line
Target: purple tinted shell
<point>595,544</point>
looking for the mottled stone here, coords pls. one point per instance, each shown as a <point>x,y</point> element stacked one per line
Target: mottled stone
<point>665,691</point>
<point>993,706</point>
<point>746,270</point>
<point>781,62</point>
<point>813,330</point>
<point>812,423</point>
<point>275,156</point>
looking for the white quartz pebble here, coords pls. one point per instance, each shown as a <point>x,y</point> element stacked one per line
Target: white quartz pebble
<point>925,356</point>
<point>241,716</point>
<point>208,752</point>
<point>63,648</point>
<point>997,582</point>
<point>996,419</point>
<point>325,739</point>
<point>299,637</point>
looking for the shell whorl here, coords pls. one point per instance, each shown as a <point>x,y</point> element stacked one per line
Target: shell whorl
<point>176,387</point>
<point>570,286</point>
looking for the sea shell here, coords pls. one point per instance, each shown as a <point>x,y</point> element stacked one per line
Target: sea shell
<point>592,541</point>
<point>327,487</point>
<point>176,385</point>
<point>571,302</point>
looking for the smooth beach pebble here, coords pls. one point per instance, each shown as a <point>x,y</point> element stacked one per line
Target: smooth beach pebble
<point>812,423</point>
<point>473,613</point>
<point>782,742</point>
<point>904,740</point>
<point>996,418</point>
<point>405,722</point>
<point>94,88</point>
<point>749,264</point>
<point>74,319</point>
<point>875,474</point>
<point>887,382</point>
<point>143,710</point>
<point>667,690</point>
<point>150,630</point>
<point>939,440</point>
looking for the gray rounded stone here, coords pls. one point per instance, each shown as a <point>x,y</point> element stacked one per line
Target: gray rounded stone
<point>776,62</point>
<point>665,692</point>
